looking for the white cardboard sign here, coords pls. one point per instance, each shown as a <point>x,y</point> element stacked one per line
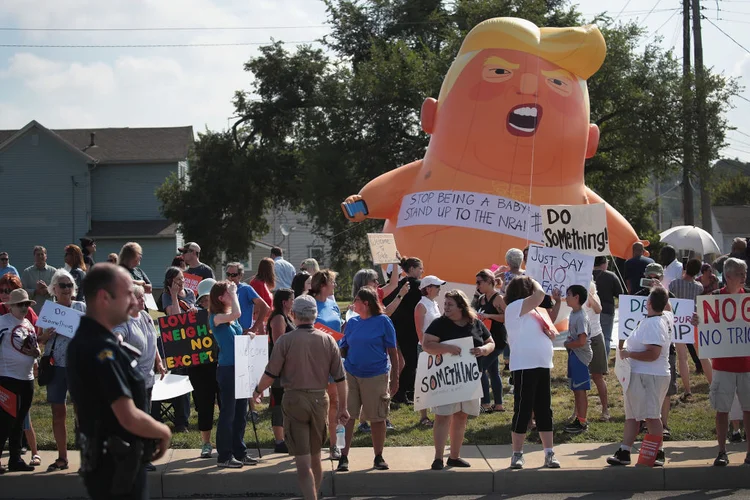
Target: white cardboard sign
<point>250,360</point>
<point>63,319</point>
<point>557,269</point>
<point>383,248</point>
<point>578,228</point>
<point>632,310</point>
<point>446,379</point>
<point>150,302</point>
<point>724,329</point>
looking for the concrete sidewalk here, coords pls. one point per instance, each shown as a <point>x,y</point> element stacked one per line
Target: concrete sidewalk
<point>182,474</point>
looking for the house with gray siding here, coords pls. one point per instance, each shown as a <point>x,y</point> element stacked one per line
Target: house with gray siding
<point>61,185</point>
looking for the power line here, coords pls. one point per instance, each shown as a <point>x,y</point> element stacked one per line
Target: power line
<point>726,34</point>
<point>740,132</point>
<point>623,10</point>
<point>665,23</point>
<point>171,28</point>
<point>651,11</point>
<point>147,45</point>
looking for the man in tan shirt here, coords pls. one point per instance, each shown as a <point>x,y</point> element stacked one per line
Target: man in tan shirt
<point>304,359</point>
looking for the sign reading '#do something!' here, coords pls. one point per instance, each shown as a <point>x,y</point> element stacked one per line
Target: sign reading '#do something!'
<point>187,339</point>
<point>578,228</point>
<point>445,379</point>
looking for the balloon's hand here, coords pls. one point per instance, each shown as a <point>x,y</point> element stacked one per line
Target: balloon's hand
<point>349,208</point>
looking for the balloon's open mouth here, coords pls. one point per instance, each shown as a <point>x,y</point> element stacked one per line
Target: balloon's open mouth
<point>524,119</point>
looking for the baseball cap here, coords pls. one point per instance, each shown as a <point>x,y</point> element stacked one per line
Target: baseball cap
<point>654,268</point>
<point>204,287</point>
<point>304,304</point>
<point>190,246</point>
<point>430,280</point>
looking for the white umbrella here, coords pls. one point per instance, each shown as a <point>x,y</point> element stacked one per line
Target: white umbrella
<point>690,238</point>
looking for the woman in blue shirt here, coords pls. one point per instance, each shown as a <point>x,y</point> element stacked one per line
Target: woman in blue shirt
<point>224,311</point>
<point>322,285</point>
<point>369,342</point>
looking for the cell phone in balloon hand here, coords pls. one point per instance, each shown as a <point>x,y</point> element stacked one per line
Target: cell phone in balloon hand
<point>355,208</point>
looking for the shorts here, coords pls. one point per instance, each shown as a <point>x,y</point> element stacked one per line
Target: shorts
<point>470,407</point>
<point>672,390</point>
<point>305,421</point>
<point>645,396</point>
<point>57,389</point>
<point>578,373</point>
<point>724,387</point>
<point>598,363</point>
<point>370,395</point>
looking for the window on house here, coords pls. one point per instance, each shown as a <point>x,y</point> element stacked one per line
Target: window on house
<point>316,252</point>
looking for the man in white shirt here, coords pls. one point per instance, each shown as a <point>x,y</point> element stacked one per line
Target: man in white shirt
<point>672,266</point>
<point>284,270</point>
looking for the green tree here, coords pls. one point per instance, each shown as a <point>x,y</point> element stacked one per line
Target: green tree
<point>732,190</point>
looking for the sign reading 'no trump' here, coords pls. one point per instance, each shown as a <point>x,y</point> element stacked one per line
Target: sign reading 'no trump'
<point>632,310</point>
<point>187,339</point>
<point>724,329</point>
<point>445,379</point>
<point>579,228</point>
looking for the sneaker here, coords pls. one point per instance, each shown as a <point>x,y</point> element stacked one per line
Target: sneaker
<point>232,463</point>
<point>722,460</point>
<point>364,428</point>
<point>20,466</point>
<point>343,464</point>
<point>660,459</point>
<point>666,435</point>
<point>206,450</point>
<point>736,437</point>
<point>281,447</point>
<point>379,463</point>
<point>621,457</point>
<point>149,467</point>
<point>437,464</point>
<point>335,453</point>
<point>248,460</point>
<point>457,462</point>
<point>517,461</point>
<point>576,427</point>
<point>605,416</point>
<point>389,426</point>
<point>551,461</point>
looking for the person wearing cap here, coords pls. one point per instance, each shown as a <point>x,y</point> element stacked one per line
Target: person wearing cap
<point>204,289</point>
<point>283,269</point>
<point>425,313</point>
<point>88,246</point>
<point>18,352</point>
<point>5,266</point>
<point>191,253</point>
<point>251,304</point>
<point>36,278</point>
<point>304,359</point>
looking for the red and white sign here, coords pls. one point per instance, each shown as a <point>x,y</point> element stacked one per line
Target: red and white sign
<point>330,331</point>
<point>191,282</point>
<point>724,329</point>
<point>8,401</point>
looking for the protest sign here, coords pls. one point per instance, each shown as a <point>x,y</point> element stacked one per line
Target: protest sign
<point>330,331</point>
<point>150,302</point>
<point>187,340</point>
<point>383,248</point>
<point>724,329</point>
<point>632,310</point>
<point>170,387</point>
<point>8,401</point>
<point>191,282</point>
<point>446,379</point>
<point>557,269</point>
<point>63,319</point>
<point>649,448</point>
<point>622,370</point>
<point>471,210</point>
<point>250,360</point>
<point>581,228</point>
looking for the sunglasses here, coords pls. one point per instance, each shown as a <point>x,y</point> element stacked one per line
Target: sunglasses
<point>232,275</point>
<point>65,285</point>
<point>6,291</point>
<point>4,259</point>
<point>23,305</point>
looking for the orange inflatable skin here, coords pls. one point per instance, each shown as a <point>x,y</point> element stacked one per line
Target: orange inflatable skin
<point>509,123</point>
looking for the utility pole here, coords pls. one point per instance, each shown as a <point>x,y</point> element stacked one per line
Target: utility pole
<point>687,113</point>
<point>702,126</point>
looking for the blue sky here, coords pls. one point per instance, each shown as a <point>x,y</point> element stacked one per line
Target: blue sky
<point>81,87</point>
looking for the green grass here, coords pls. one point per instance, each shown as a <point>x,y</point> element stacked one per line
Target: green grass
<point>687,421</point>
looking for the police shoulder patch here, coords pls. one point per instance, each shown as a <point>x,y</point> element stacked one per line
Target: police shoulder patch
<point>106,354</point>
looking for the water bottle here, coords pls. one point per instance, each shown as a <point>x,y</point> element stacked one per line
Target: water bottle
<point>340,437</point>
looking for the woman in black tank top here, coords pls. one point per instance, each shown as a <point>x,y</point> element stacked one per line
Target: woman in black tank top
<point>489,307</point>
<point>278,324</point>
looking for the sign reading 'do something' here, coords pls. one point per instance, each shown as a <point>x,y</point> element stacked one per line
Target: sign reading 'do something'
<point>445,379</point>
<point>487,212</point>
<point>557,269</point>
<point>632,309</point>
<point>580,228</point>
<point>250,360</point>
<point>724,329</point>
<point>383,248</point>
<point>63,319</point>
<point>187,339</point>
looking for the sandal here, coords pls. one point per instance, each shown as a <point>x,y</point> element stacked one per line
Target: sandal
<point>498,408</point>
<point>426,422</point>
<point>59,464</point>
<point>485,409</point>
<point>36,461</point>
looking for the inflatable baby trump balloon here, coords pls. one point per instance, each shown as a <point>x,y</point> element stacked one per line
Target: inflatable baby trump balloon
<point>509,132</point>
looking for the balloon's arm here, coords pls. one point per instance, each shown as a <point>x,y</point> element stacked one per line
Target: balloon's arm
<point>381,197</point>
<point>621,233</point>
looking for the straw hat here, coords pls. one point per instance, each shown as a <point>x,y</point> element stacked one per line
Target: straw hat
<point>19,296</point>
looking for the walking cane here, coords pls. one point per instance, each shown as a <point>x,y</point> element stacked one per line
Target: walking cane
<point>255,431</point>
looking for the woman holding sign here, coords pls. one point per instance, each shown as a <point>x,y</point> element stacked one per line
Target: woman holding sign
<point>459,321</point>
<point>64,289</point>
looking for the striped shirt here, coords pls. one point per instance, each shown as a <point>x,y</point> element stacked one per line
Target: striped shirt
<point>686,289</point>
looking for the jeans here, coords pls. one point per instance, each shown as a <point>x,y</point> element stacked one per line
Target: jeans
<point>230,430</point>
<point>607,321</point>
<point>491,375</point>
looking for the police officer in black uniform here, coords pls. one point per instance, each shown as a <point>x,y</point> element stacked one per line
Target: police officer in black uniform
<point>117,436</point>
